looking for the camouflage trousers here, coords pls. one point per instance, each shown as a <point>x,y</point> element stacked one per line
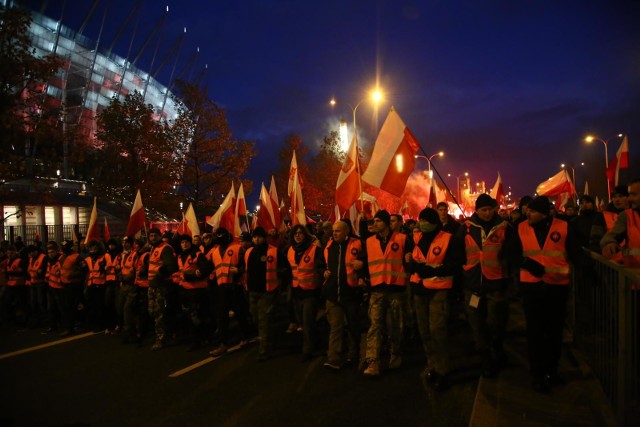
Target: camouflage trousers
<point>158,310</point>
<point>432,314</point>
<point>387,321</point>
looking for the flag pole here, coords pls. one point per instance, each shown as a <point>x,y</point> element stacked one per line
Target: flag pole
<point>442,180</point>
<point>355,138</point>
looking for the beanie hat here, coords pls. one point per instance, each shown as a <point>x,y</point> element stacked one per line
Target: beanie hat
<point>186,237</point>
<point>540,204</point>
<point>259,232</point>
<point>620,190</point>
<point>383,216</point>
<point>485,200</point>
<point>525,201</point>
<point>155,230</point>
<point>587,199</point>
<point>430,215</point>
<point>245,236</point>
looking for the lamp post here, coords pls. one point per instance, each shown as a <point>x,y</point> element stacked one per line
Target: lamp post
<point>591,138</point>
<point>466,174</point>
<point>428,159</point>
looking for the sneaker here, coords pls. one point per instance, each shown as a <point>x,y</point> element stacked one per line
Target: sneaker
<point>331,366</point>
<point>373,369</point>
<point>291,328</point>
<point>158,345</point>
<point>299,329</point>
<point>395,361</point>
<point>222,349</point>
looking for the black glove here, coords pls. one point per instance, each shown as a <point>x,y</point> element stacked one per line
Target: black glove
<point>425,271</point>
<point>533,267</point>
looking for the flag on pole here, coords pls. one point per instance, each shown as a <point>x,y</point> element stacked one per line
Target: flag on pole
<point>620,161</point>
<point>293,170</point>
<point>348,185</point>
<point>497,192</point>
<point>107,234</point>
<point>137,217</point>
<point>586,188</point>
<point>191,222</point>
<point>335,214</point>
<point>273,194</point>
<point>433,199</point>
<point>92,232</point>
<point>297,204</point>
<point>266,214</point>
<point>393,159</point>
<point>557,184</point>
<point>241,210</point>
<point>224,216</point>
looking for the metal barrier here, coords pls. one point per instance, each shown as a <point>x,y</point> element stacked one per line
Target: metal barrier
<point>57,233</point>
<point>607,322</point>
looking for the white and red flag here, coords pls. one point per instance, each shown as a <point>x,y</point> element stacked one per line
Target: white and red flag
<point>225,215</point>
<point>393,159</point>
<point>297,204</point>
<point>266,214</point>
<point>92,232</point>
<point>293,170</point>
<point>557,184</point>
<point>273,194</point>
<point>497,192</point>
<point>241,210</point>
<point>107,233</point>
<point>137,217</point>
<point>190,222</point>
<point>620,161</point>
<point>348,185</point>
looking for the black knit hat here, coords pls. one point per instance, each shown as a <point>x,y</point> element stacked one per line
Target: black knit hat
<point>620,190</point>
<point>540,204</point>
<point>587,199</point>
<point>259,232</point>
<point>383,216</point>
<point>484,200</point>
<point>430,215</point>
<point>186,237</point>
<point>155,230</point>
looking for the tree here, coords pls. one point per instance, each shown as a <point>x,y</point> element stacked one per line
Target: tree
<point>212,158</point>
<point>23,107</point>
<point>325,169</point>
<point>137,152</point>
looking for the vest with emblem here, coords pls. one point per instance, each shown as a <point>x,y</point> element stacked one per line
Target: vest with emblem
<point>128,267</point>
<point>354,247</point>
<point>35,266</point>
<point>387,268</point>
<point>223,263</point>
<point>114,263</point>
<point>304,274</point>
<point>434,258</point>
<point>632,252</point>
<point>142,280</point>
<point>552,255</point>
<point>487,256</point>
<point>97,274</point>
<point>53,274</point>
<point>155,259</point>
<point>70,271</point>
<point>14,267</point>
<point>272,266</point>
<point>190,265</point>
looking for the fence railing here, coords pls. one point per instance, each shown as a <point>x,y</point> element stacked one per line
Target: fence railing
<point>45,233</point>
<point>607,323</point>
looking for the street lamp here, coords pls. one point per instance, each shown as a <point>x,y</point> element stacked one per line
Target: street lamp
<point>591,138</point>
<point>428,159</point>
<point>466,174</point>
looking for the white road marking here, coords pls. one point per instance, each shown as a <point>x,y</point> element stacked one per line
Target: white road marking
<point>49,344</point>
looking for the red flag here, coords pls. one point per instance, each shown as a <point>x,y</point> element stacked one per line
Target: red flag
<point>497,192</point>
<point>348,185</point>
<point>92,232</point>
<point>273,194</point>
<point>107,234</point>
<point>137,217</point>
<point>266,215</point>
<point>620,161</point>
<point>182,227</point>
<point>392,160</point>
<point>224,216</point>
<point>557,184</point>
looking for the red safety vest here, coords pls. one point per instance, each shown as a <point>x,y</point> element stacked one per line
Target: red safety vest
<point>97,275</point>
<point>14,267</point>
<point>632,251</point>
<point>190,264</point>
<point>354,247</point>
<point>487,256</point>
<point>304,274</point>
<point>387,268</point>
<point>272,266</point>
<point>223,263</point>
<point>552,255</point>
<point>140,260</point>
<point>35,270</point>
<point>435,258</point>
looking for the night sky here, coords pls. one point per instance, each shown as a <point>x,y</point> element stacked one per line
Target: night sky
<point>508,86</point>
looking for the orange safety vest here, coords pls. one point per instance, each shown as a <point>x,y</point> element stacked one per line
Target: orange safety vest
<point>487,256</point>
<point>191,264</point>
<point>35,275</point>
<point>140,281</point>
<point>610,219</point>
<point>112,267</point>
<point>354,247</point>
<point>128,264</point>
<point>222,263</point>
<point>272,266</point>
<point>69,269</point>
<point>53,275</point>
<point>552,255</point>
<point>387,268</point>
<point>304,274</point>
<point>434,258</point>
<point>632,251</point>
<point>155,259</point>
<point>97,274</point>
<point>14,266</point>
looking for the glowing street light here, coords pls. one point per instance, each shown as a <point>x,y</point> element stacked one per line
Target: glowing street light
<point>428,159</point>
<point>591,138</point>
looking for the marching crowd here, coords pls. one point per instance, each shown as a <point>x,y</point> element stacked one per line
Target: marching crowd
<point>407,272</point>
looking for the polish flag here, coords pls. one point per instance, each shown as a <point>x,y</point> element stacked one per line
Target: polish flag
<point>241,210</point>
<point>392,160</point>
<point>297,204</point>
<point>557,184</point>
<point>497,192</point>
<point>293,170</point>
<point>224,216</point>
<point>107,234</point>
<point>335,214</point>
<point>348,185</point>
<point>620,161</point>
<point>92,232</point>
<point>191,222</point>
<point>266,214</point>
<point>182,227</point>
<point>137,217</point>
<point>273,194</point>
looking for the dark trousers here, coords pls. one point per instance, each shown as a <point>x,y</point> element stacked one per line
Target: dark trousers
<point>231,297</point>
<point>194,303</point>
<point>38,299</point>
<point>544,309</point>
<point>62,307</point>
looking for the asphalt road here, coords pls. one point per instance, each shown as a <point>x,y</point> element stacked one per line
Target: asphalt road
<point>95,380</point>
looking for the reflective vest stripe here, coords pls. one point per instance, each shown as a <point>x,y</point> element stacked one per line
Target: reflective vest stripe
<point>14,266</point>
<point>387,268</point>
<point>96,276</point>
<point>304,274</point>
<point>191,264</point>
<point>272,281</point>
<point>552,255</point>
<point>223,262</point>
<point>34,267</point>
<point>433,259</point>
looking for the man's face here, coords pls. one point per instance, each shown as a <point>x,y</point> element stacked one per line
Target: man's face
<point>485,213</point>
<point>197,241</point>
<point>634,195</point>
<point>534,217</point>
<point>620,201</point>
<point>340,232</point>
<point>379,226</point>
<point>207,239</point>
<point>273,233</point>
<point>503,213</point>
<point>298,236</point>
<point>154,238</point>
<point>442,213</point>
<point>395,223</point>
<point>51,253</point>
<point>185,245</point>
<point>587,206</point>
<point>258,240</point>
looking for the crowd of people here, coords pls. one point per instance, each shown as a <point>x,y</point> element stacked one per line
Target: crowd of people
<point>225,289</point>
